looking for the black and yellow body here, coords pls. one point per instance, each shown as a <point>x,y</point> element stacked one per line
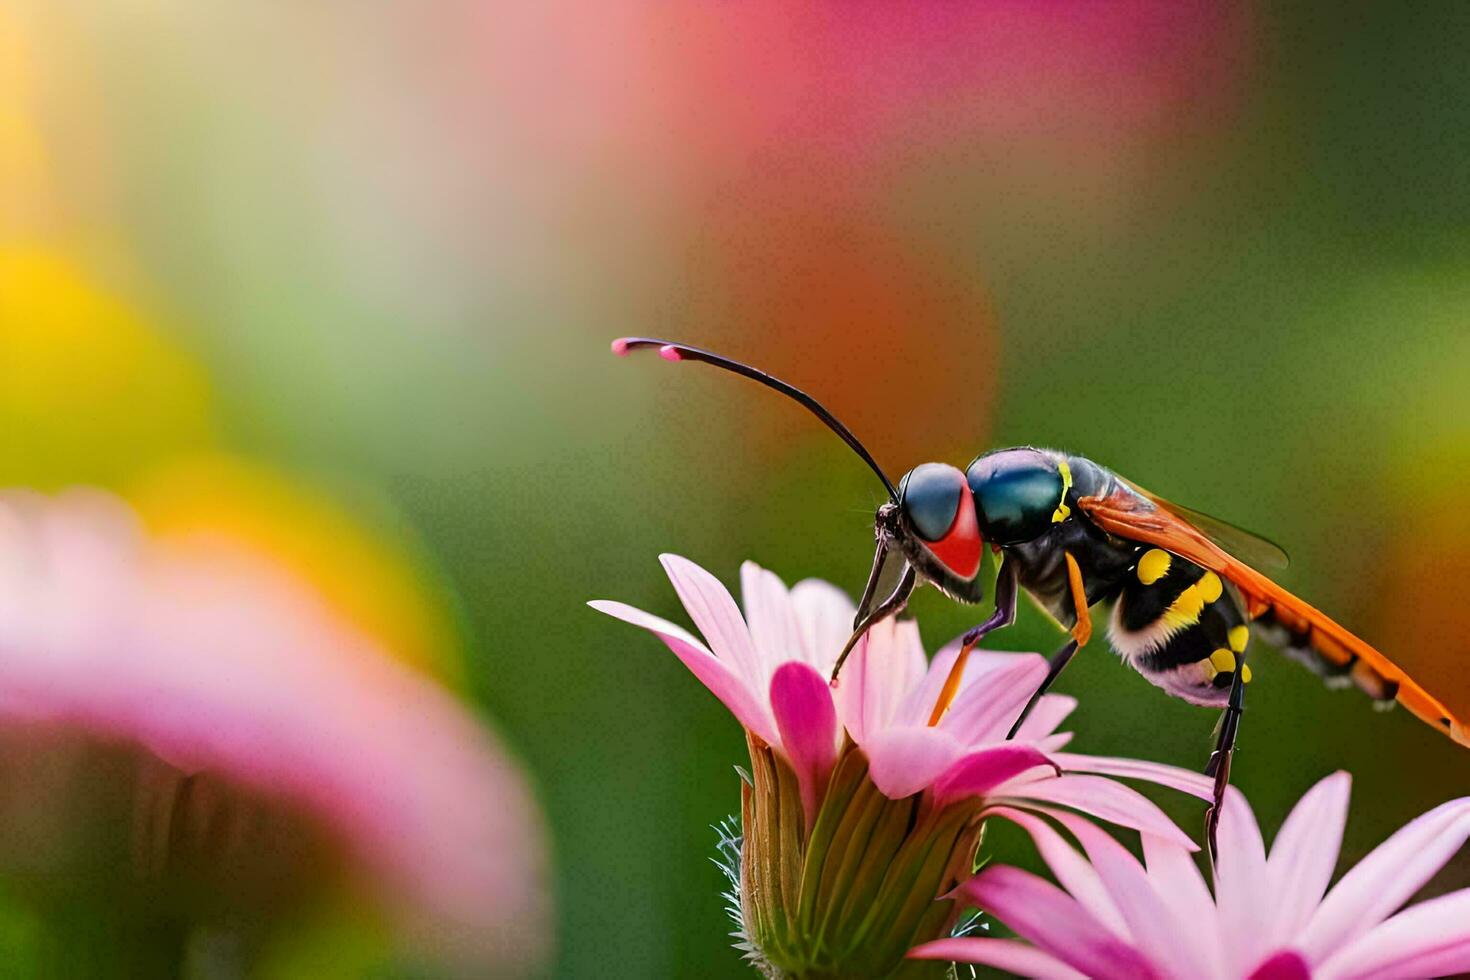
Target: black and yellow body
<point>1184,626</point>
<point>1179,625</point>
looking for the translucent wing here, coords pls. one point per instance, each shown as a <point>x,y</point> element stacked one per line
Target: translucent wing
<point>1130,514</point>
<point>1250,548</point>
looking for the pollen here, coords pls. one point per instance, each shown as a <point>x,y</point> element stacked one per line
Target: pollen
<point>1154,565</point>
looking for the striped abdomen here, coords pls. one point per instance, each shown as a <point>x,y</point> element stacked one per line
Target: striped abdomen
<point>1181,627</point>
<point>1324,656</point>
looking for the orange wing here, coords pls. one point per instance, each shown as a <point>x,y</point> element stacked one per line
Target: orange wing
<point>1134,516</point>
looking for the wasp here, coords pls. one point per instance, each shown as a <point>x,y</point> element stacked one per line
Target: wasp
<point>1185,594</point>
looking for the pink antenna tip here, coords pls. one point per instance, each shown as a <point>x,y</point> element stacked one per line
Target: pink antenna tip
<point>670,353</point>
<point>620,347</point>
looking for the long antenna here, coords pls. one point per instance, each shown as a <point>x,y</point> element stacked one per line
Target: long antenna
<point>683,352</point>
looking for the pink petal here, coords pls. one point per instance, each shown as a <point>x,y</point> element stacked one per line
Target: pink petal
<point>1305,853</point>
<point>903,761</point>
<point>712,672</point>
<point>1004,954</point>
<point>770,616</point>
<point>1099,797</point>
<point>1052,744</point>
<point>1048,917</point>
<point>1154,919</point>
<point>1432,939</point>
<point>1285,965</point>
<point>1175,874</point>
<point>909,665</point>
<point>985,711</point>
<point>919,704</point>
<point>1242,889</point>
<point>1387,877</point>
<point>850,691</point>
<point>1070,868</point>
<point>718,619</point>
<point>1184,780</point>
<point>1043,720</point>
<point>217,660</point>
<point>883,668</point>
<point>807,722</point>
<point>978,772</point>
<point>825,614</point>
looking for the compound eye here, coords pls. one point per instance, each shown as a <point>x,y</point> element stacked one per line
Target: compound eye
<point>930,497</point>
<point>1016,493</point>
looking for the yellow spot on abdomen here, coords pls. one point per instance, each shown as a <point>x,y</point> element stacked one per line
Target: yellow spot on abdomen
<point>1154,565</point>
<point>1245,674</point>
<point>1223,661</point>
<point>1209,587</point>
<point>1239,636</point>
<point>1184,610</point>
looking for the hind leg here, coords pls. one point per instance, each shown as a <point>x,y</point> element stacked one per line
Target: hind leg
<point>1220,758</point>
<point>1180,627</point>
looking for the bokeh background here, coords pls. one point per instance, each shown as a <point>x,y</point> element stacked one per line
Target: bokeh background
<point>375,254</point>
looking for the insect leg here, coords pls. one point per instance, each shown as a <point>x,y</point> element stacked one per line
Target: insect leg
<point>1055,666</point>
<point>1006,591</point>
<point>1082,631</point>
<point>1219,765</point>
<point>880,558</point>
<point>891,606</point>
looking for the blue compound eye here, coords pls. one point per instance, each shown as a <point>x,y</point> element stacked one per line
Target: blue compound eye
<point>1016,493</point>
<point>930,497</point>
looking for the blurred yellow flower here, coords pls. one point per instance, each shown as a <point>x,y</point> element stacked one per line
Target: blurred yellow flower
<point>376,581</point>
<point>89,392</point>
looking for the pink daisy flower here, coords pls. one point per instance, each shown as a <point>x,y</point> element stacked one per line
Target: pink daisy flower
<point>882,746</point>
<point>194,742</point>
<point>1270,917</point>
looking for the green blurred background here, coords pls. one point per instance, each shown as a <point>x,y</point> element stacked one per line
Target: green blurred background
<point>1224,249</point>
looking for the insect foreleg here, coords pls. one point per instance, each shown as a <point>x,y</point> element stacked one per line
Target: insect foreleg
<point>880,558</point>
<point>891,606</point>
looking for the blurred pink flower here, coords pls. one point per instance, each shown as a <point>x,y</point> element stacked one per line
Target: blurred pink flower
<point>707,87</point>
<point>1268,918</point>
<point>770,668</point>
<point>252,705</point>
